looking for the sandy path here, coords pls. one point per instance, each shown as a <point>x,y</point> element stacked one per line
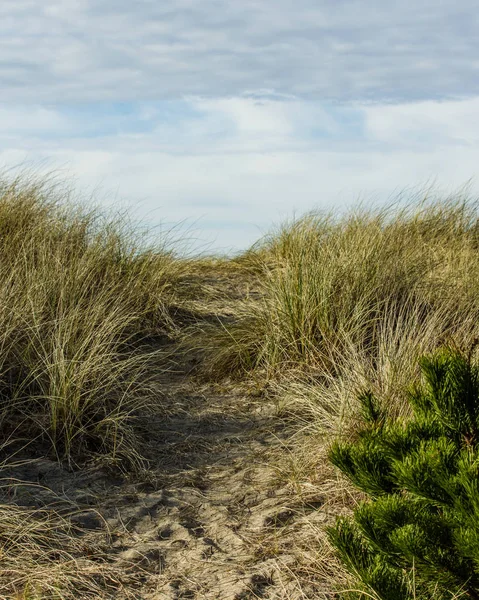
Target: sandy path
<point>194,533</point>
<point>209,518</point>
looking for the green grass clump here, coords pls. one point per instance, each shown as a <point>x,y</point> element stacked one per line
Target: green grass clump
<point>418,535</point>
<point>332,284</point>
<point>78,292</point>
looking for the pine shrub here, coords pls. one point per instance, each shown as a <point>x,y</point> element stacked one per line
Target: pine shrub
<point>417,534</point>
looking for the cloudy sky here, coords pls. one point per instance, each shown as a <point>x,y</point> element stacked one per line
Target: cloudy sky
<point>229,116</point>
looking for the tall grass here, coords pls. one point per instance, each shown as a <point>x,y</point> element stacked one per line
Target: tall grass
<point>328,282</point>
<point>78,292</point>
<point>336,304</point>
<point>354,300</point>
<point>348,303</point>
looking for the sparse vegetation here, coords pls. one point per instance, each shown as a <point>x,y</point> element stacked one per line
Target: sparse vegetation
<point>43,557</point>
<point>94,321</point>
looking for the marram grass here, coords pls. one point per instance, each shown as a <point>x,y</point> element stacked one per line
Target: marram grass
<point>337,304</point>
<point>77,293</point>
<point>330,285</point>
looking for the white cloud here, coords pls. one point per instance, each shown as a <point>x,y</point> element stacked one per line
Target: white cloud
<point>58,51</point>
<point>31,120</point>
<point>425,123</point>
<point>232,167</point>
<point>240,113</point>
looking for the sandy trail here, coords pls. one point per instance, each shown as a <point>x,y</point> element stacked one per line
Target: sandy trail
<point>209,518</point>
<point>212,497</point>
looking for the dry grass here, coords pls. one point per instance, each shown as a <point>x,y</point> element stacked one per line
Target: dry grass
<point>346,304</point>
<point>78,292</point>
<point>320,309</point>
<point>80,296</point>
<point>42,558</point>
<point>361,293</point>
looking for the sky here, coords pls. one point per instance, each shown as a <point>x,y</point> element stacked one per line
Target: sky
<point>227,117</point>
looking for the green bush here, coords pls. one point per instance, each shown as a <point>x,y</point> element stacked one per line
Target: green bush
<point>417,536</point>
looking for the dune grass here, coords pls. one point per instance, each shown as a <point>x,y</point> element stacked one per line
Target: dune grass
<point>320,309</point>
<point>78,293</point>
<point>83,296</point>
<point>43,558</point>
<point>359,289</point>
<point>346,304</point>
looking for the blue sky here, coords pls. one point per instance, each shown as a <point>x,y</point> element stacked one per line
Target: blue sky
<point>230,116</point>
